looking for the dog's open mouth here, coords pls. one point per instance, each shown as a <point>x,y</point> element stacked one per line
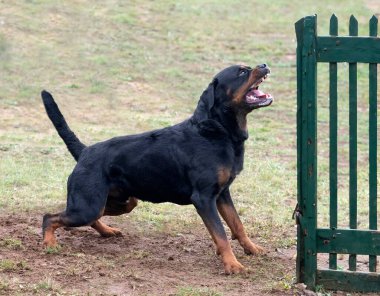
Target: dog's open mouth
<point>257,98</point>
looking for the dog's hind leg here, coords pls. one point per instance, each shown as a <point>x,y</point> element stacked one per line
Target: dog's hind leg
<point>87,194</point>
<point>49,224</point>
<point>105,230</point>
<point>114,208</point>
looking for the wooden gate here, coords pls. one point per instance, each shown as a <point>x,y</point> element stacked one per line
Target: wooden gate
<point>333,49</point>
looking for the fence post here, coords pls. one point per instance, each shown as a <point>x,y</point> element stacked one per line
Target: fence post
<point>307,149</point>
<point>373,143</point>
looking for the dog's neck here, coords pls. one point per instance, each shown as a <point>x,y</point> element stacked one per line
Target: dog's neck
<point>227,120</point>
<point>226,124</point>
<point>241,119</point>
<point>235,123</point>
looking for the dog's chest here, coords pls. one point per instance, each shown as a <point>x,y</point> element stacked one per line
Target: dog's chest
<point>231,167</point>
<point>238,161</point>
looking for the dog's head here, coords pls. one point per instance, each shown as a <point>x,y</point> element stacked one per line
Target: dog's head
<point>235,88</point>
<point>239,86</point>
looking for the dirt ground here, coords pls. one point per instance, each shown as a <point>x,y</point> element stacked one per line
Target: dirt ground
<point>140,262</point>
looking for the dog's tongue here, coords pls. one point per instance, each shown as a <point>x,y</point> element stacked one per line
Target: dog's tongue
<point>258,93</point>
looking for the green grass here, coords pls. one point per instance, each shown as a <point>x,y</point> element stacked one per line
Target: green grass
<point>191,291</point>
<point>45,286</point>
<point>4,285</point>
<point>118,68</point>
<point>11,265</point>
<point>11,243</point>
<point>17,286</point>
<point>53,250</point>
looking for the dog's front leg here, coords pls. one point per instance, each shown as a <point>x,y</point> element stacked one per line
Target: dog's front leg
<point>206,208</point>
<point>227,210</point>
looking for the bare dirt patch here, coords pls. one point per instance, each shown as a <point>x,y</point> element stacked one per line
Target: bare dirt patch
<point>141,262</point>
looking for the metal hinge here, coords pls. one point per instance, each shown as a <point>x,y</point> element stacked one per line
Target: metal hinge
<point>297,215</point>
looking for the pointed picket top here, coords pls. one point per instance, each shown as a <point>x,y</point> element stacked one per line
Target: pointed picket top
<point>373,26</point>
<point>334,25</point>
<point>299,26</point>
<point>353,28</point>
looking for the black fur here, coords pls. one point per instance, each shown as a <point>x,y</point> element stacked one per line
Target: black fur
<point>72,142</point>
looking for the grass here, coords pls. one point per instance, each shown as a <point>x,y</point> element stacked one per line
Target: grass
<point>11,243</point>
<point>4,285</point>
<point>191,291</point>
<point>11,265</point>
<point>118,68</point>
<point>15,286</point>
<point>106,91</point>
<point>53,250</point>
<point>45,286</point>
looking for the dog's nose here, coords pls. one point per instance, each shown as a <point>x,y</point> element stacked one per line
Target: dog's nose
<point>262,66</point>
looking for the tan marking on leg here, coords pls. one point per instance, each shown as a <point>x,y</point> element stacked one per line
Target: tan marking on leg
<point>104,230</point>
<point>233,221</point>
<point>223,248</point>
<point>49,237</point>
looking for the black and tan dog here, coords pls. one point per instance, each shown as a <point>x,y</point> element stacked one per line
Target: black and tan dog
<point>193,162</point>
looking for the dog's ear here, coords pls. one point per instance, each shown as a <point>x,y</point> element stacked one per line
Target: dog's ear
<point>206,102</point>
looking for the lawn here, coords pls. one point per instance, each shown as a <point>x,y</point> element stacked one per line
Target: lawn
<point>123,67</point>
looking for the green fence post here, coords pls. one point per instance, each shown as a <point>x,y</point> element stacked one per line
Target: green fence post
<point>300,263</point>
<point>372,143</point>
<point>307,173</point>
<point>333,90</point>
<point>353,128</point>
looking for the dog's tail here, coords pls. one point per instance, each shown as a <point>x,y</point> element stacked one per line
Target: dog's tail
<point>74,145</point>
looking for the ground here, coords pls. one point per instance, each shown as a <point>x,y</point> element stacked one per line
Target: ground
<point>141,262</point>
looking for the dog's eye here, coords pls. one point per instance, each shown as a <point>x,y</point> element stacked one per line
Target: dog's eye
<point>243,72</point>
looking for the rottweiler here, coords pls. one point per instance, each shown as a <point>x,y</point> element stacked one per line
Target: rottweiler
<point>193,162</point>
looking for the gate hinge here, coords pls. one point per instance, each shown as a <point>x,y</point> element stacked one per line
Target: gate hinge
<point>297,215</point>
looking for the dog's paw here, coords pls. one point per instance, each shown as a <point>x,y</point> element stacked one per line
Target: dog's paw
<point>233,267</point>
<point>50,242</point>
<point>105,230</point>
<point>252,249</point>
<point>110,231</point>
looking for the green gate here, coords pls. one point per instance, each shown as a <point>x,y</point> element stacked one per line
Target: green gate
<point>334,49</point>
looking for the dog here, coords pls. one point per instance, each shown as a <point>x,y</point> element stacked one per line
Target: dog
<point>193,162</point>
